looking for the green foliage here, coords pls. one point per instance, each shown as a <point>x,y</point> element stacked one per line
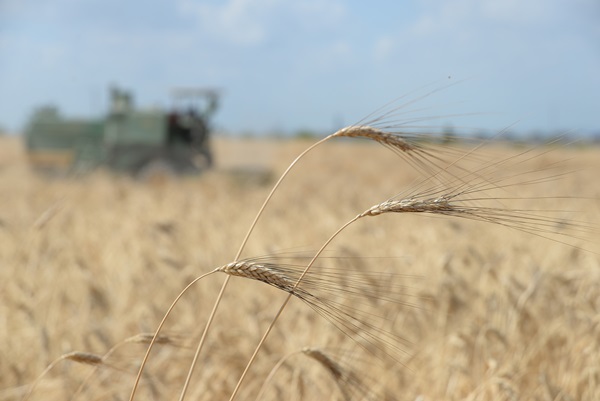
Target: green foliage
<point>306,134</point>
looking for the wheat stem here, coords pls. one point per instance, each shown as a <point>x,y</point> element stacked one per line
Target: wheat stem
<point>284,304</point>
<point>237,257</point>
<point>141,338</point>
<point>274,370</point>
<point>155,336</point>
<point>202,341</point>
<point>75,356</point>
<point>336,371</point>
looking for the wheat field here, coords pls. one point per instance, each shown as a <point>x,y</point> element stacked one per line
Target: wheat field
<point>90,264</point>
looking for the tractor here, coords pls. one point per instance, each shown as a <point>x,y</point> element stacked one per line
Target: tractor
<point>136,141</point>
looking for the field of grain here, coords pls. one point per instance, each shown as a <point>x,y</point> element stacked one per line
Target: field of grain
<point>91,264</point>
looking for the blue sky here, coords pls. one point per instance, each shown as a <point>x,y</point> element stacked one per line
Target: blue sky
<point>309,64</point>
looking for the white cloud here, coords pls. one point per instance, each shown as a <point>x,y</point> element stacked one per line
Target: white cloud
<point>53,55</point>
<point>439,15</point>
<point>237,21</point>
<point>252,22</point>
<point>521,12</point>
<point>330,56</point>
<point>319,13</point>
<point>508,31</point>
<point>383,48</point>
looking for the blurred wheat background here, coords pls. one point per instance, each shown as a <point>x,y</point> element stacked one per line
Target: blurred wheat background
<point>89,263</point>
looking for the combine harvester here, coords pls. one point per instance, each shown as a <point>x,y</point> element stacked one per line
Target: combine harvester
<point>139,142</point>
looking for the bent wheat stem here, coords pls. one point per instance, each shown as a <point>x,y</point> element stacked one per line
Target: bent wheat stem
<point>392,140</point>
<point>284,304</point>
<point>274,370</point>
<point>340,375</point>
<point>142,338</point>
<point>158,329</point>
<point>237,257</point>
<point>76,356</point>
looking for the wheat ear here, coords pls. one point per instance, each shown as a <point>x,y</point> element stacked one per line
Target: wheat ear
<point>156,338</point>
<point>141,338</point>
<point>261,272</point>
<point>394,140</point>
<point>284,304</point>
<point>471,197</point>
<point>339,374</point>
<point>85,358</point>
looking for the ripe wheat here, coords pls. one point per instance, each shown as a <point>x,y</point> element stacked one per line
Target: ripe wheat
<point>452,187</point>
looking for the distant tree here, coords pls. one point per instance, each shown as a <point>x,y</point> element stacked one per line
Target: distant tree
<point>448,135</point>
<point>305,134</point>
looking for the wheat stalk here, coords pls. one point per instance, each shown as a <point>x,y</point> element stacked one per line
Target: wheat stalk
<point>366,132</point>
<point>85,358</point>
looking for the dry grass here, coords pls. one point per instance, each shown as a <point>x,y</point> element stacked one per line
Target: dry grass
<point>490,313</point>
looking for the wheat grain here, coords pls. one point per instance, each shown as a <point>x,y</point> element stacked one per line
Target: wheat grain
<point>392,139</point>
<point>75,356</point>
<point>439,205</point>
<point>351,386</point>
<point>423,156</point>
<point>332,367</point>
<point>146,338</point>
<point>84,357</point>
<point>268,274</point>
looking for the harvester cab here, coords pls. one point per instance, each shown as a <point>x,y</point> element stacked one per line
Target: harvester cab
<point>189,118</point>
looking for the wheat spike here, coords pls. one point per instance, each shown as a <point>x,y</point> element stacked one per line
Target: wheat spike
<point>350,385</point>
<point>392,139</point>
<point>75,356</point>
<point>146,338</point>
<point>320,288</point>
<point>258,271</point>
<point>440,205</point>
<point>84,357</point>
<point>334,368</point>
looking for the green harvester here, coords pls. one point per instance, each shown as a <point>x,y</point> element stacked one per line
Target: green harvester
<point>126,139</point>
